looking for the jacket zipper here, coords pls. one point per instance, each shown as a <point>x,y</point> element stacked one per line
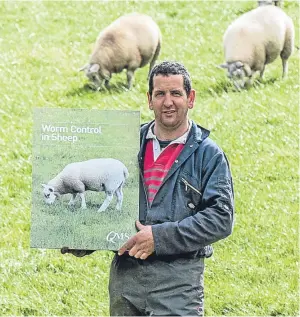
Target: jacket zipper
<point>145,190</point>
<point>187,184</point>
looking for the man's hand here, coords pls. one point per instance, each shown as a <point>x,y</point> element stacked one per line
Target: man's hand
<point>141,245</point>
<point>75,252</point>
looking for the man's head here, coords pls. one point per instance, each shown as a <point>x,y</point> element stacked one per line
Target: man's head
<point>170,96</point>
<point>168,68</point>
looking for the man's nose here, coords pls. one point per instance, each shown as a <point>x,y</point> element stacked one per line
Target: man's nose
<point>168,101</point>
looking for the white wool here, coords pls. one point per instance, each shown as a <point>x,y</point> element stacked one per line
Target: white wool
<point>104,174</point>
<point>258,37</point>
<point>130,42</point>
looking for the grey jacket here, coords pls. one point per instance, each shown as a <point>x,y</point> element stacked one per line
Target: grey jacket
<point>194,206</point>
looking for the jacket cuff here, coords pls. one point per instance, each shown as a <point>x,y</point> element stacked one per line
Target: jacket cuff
<point>160,237</point>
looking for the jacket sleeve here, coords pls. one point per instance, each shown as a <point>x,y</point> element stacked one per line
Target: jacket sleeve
<point>213,221</point>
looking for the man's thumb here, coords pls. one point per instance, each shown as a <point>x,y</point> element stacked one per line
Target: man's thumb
<point>139,226</point>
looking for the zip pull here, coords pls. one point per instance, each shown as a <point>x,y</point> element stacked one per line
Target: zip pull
<point>187,184</point>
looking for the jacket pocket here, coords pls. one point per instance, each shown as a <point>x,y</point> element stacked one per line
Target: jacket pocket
<point>192,194</point>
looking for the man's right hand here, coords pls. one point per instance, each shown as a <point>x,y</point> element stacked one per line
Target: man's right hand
<point>76,252</point>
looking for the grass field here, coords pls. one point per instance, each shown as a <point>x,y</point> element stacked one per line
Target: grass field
<point>43,44</point>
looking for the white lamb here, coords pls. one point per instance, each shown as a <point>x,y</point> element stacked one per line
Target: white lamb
<point>255,39</point>
<point>130,42</point>
<point>104,174</point>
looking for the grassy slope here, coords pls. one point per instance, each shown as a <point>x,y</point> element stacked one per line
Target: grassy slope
<point>42,45</point>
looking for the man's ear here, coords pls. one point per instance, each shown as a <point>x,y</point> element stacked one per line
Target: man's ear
<point>191,99</point>
<point>149,101</point>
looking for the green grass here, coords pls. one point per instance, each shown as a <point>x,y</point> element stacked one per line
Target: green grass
<point>43,44</point>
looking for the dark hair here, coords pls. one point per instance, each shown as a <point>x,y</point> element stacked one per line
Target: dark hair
<point>167,68</point>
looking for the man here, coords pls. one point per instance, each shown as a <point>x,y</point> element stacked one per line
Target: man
<point>186,204</point>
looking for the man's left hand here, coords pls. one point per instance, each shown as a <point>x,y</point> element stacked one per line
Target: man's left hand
<point>141,245</point>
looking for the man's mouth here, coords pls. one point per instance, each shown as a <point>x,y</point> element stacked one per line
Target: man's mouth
<point>169,111</point>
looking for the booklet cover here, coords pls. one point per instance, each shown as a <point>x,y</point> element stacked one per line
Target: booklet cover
<point>85,178</point>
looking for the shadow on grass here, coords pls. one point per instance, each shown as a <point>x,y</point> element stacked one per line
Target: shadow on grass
<point>87,89</point>
<point>258,82</point>
<point>218,88</point>
<point>227,86</point>
<point>79,91</point>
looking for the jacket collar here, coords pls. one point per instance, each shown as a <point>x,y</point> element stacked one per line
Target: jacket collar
<point>197,132</point>
<point>197,135</point>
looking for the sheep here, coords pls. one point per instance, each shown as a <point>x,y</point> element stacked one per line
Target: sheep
<point>277,3</point>
<point>255,39</point>
<point>105,174</point>
<point>130,42</point>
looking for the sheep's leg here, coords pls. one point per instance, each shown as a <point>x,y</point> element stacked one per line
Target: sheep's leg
<point>243,83</point>
<point>119,194</point>
<point>154,59</point>
<point>150,68</point>
<point>236,85</point>
<point>72,200</point>
<point>106,83</point>
<point>262,71</point>
<point>83,203</point>
<point>284,68</point>
<point>287,50</point>
<point>130,74</point>
<point>248,82</point>
<point>108,199</point>
<point>277,3</point>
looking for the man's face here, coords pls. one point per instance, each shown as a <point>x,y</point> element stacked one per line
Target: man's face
<point>170,102</point>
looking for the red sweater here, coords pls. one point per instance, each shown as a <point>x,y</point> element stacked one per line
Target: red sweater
<point>155,172</point>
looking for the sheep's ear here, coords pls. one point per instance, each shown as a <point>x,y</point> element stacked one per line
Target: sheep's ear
<point>224,66</point>
<point>57,194</point>
<point>94,68</point>
<point>84,67</point>
<point>239,64</point>
<point>44,185</point>
<point>247,70</point>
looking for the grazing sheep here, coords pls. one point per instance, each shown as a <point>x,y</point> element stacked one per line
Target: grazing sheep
<point>130,42</point>
<point>104,174</point>
<point>255,39</point>
<point>277,3</point>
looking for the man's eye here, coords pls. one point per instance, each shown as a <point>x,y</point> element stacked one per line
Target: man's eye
<point>159,93</point>
<point>176,93</point>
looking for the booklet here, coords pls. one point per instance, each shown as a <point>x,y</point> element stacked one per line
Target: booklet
<point>85,178</point>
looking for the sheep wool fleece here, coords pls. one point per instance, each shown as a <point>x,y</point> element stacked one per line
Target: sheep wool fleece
<point>192,209</point>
